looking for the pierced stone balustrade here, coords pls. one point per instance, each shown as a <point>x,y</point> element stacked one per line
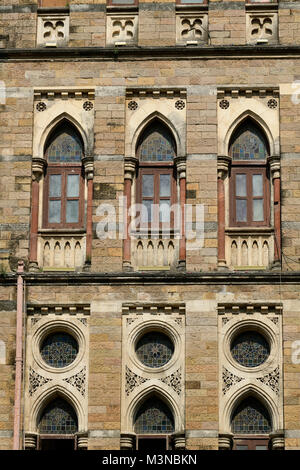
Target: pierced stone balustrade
<point>62,252</point>
<point>246,250</point>
<point>157,252</point>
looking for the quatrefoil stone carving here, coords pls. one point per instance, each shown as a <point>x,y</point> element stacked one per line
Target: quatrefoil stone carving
<point>121,29</point>
<point>191,29</point>
<point>53,30</point>
<point>262,28</point>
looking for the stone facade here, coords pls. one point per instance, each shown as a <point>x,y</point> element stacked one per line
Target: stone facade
<point>201,87</point>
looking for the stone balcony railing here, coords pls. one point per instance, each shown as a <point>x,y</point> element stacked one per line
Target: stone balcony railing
<point>154,252</point>
<point>61,251</point>
<point>249,248</point>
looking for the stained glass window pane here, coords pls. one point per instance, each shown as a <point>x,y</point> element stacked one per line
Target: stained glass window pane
<point>154,417</point>
<point>66,147</point>
<point>250,417</point>
<point>250,349</point>
<point>248,143</point>
<point>154,349</point>
<point>58,418</point>
<point>156,145</point>
<point>59,349</point>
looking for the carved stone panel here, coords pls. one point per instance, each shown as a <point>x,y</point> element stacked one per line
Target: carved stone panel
<point>262,27</point>
<point>191,28</point>
<point>53,30</point>
<point>121,29</point>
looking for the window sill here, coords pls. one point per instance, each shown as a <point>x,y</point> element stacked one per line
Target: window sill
<point>249,230</point>
<point>61,231</point>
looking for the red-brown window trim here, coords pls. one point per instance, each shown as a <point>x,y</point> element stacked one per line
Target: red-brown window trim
<point>157,169</point>
<point>64,170</point>
<point>250,441</point>
<point>249,169</point>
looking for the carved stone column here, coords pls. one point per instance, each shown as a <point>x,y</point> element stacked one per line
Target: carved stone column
<point>277,440</point>
<point>127,441</point>
<point>180,163</point>
<point>30,441</point>
<point>223,168</point>
<point>274,162</point>
<point>88,165</point>
<point>129,173</point>
<point>179,441</point>
<point>38,169</point>
<point>225,441</point>
<point>82,441</point>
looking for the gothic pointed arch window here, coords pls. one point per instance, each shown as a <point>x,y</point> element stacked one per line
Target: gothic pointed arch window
<point>64,182</point>
<point>249,182</point>
<point>57,426</point>
<point>251,424</point>
<point>156,183</point>
<point>153,424</point>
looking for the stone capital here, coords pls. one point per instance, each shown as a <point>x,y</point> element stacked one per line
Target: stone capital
<point>223,165</point>
<point>277,440</point>
<point>225,441</point>
<point>130,166</point>
<point>127,441</point>
<point>180,163</point>
<point>274,163</point>
<point>38,167</point>
<point>88,164</point>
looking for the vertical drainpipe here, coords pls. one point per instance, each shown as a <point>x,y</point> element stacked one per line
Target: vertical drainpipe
<point>19,358</point>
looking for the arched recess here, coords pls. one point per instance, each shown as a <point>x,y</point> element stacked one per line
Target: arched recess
<point>141,121</point>
<point>63,121</point>
<point>251,390</point>
<point>256,122</point>
<point>148,392</point>
<point>43,400</point>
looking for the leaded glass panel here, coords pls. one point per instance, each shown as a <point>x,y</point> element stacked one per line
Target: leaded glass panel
<point>156,145</point>
<point>59,349</point>
<point>248,143</point>
<point>65,147</point>
<point>58,418</point>
<point>154,417</point>
<point>154,349</point>
<point>250,417</point>
<point>250,349</point>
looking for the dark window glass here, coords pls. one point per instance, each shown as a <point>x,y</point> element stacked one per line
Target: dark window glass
<point>58,418</point>
<point>154,417</point>
<point>250,349</point>
<point>154,349</point>
<point>59,349</point>
<point>251,417</point>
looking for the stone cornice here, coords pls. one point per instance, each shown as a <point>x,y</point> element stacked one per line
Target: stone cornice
<point>156,277</point>
<point>154,53</point>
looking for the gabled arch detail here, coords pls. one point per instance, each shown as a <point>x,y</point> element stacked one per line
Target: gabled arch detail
<point>259,394</point>
<point>50,394</point>
<point>163,395</point>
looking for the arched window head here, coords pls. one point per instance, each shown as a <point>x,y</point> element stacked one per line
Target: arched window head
<point>248,142</point>
<point>251,417</point>
<point>64,145</point>
<point>156,144</point>
<point>58,418</point>
<point>64,187</point>
<point>156,184</point>
<point>154,417</point>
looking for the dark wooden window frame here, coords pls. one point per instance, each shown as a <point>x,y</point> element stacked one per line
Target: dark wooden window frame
<point>42,437</point>
<point>63,170</point>
<point>157,168</point>
<point>249,169</point>
<point>110,3</point>
<point>166,437</point>
<point>179,2</point>
<point>250,441</point>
